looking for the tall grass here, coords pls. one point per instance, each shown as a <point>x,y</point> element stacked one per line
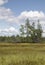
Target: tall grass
<point>22,54</point>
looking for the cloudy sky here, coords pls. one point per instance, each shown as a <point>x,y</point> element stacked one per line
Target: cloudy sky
<point>13,13</point>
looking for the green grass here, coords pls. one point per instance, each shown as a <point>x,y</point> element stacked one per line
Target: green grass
<point>22,54</point>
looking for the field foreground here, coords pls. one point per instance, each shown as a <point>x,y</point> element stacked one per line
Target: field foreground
<point>22,54</point>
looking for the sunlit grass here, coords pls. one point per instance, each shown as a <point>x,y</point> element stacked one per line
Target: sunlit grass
<point>22,54</point>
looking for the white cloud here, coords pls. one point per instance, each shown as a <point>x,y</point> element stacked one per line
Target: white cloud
<point>8,31</point>
<point>5,13</point>
<point>3,2</point>
<point>0,30</point>
<point>32,15</point>
<point>9,16</point>
<point>11,29</point>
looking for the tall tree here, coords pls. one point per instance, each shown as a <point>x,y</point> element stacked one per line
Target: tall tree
<point>33,33</point>
<point>28,30</point>
<point>22,33</point>
<point>39,31</point>
<point>22,30</point>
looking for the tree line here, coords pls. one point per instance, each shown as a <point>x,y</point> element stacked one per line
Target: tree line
<point>29,32</point>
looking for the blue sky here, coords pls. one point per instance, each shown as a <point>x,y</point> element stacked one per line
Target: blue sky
<point>22,5</point>
<point>13,13</point>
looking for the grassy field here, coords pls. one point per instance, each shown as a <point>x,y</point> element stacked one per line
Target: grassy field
<point>22,54</point>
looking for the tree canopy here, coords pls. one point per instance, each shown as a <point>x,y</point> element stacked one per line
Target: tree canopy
<point>28,33</point>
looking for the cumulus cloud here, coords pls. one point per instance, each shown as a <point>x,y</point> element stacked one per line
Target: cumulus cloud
<point>32,14</point>
<point>9,16</point>
<point>5,13</point>
<point>9,31</point>
<point>3,2</point>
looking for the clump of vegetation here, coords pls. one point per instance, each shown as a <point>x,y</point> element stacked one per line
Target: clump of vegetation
<point>28,33</point>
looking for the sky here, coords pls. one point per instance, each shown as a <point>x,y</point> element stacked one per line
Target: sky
<point>13,13</point>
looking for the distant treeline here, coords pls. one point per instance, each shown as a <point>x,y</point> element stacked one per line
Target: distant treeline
<point>18,39</point>
<point>29,33</point>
